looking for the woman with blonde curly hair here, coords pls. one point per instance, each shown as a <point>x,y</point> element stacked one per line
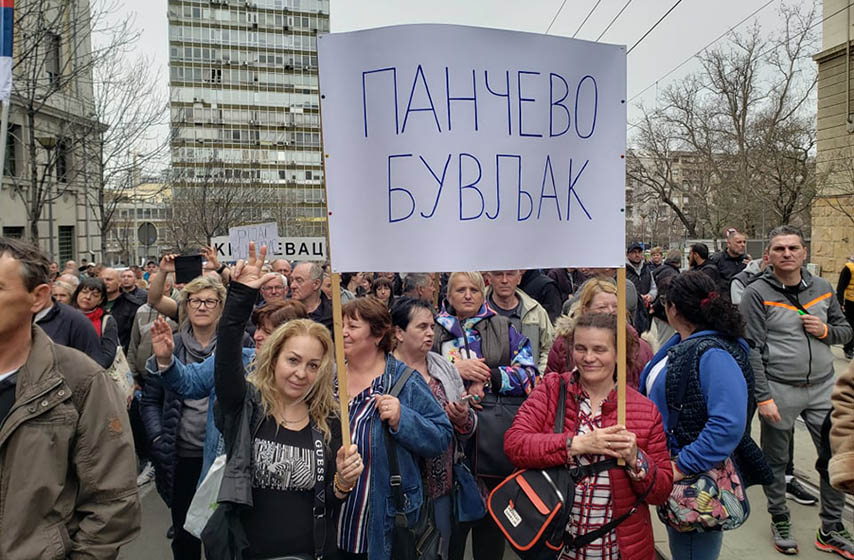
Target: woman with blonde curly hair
<point>286,472</point>
<point>598,295</point>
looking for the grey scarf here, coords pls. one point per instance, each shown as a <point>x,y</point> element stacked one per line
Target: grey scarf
<point>190,351</point>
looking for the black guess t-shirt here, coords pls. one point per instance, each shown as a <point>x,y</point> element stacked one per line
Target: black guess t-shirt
<point>283,476</point>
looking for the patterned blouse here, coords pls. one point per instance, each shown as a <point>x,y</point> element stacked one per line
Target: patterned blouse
<point>593,506</point>
<point>353,522</point>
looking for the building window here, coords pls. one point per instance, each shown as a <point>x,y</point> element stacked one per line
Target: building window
<point>10,167</point>
<point>52,58</point>
<point>13,232</point>
<point>66,243</point>
<point>62,155</point>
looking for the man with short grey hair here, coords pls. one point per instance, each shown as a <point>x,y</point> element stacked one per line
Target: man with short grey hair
<point>283,267</point>
<point>791,320</point>
<point>419,285</point>
<point>306,280</point>
<point>71,279</point>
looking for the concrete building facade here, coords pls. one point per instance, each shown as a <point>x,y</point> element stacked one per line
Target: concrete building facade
<point>51,125</point>
<point>833,209</point>
<point>244,105</point>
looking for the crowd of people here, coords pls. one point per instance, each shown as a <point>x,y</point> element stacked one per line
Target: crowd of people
<point>111,379</point>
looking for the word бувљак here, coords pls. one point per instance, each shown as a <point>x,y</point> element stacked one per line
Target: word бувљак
<point>564,112</point>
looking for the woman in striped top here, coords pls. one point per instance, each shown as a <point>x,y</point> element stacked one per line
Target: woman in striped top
<point>417,424</point>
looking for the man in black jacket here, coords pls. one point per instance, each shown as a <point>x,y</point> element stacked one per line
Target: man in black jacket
<point>698,258</point>
<point>68,327</point>
<point>121,305</point>
<point>640,272</point>
<point>544,290</point>
<point>731,260</point>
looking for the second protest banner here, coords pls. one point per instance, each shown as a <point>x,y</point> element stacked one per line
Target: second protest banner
<point>460,148</point>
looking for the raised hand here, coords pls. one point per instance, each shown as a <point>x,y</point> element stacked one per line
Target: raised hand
<point>248,272</point>
<point>211,262</point>
<point>161,342</point>
<point>167,263</point>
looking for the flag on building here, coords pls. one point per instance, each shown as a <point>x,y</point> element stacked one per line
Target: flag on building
<point>7,19</point>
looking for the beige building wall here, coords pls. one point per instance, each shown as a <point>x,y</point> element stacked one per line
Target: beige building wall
<point>67,227</point>
<point>832,229</point>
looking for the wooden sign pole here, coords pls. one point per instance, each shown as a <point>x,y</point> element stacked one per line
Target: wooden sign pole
<point>337,329</point>
<point>621,348</point>
<point>337,317</point>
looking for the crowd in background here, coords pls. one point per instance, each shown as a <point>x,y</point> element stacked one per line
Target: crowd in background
<point>233,372</point>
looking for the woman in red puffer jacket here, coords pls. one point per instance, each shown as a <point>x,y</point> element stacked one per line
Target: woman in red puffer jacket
<point>599,295</point>
<point>591,434</point>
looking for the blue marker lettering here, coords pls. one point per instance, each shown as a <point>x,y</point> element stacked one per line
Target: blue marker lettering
<point>498,157</point>
<point>391,218</point>
<point>557,103</point>
<point>471,186</point>
<point>365,97</point>
<point>448,97</point>
<point>438,180</point>
<point>548,172</point>
<point>505,94</point>
<point>432,108</point>
<point>572,191</point>
<point>595,105</point>
<point>524,100</point>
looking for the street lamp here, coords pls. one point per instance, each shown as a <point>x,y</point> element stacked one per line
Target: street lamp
<point>49,144</point>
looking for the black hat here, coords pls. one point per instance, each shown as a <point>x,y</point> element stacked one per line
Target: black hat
<point>634,246</point>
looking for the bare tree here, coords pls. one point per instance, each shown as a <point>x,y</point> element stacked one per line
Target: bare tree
<point>744,123</point>
<point>58,44</point>
<point>131,109</point>
<point>209,200</point>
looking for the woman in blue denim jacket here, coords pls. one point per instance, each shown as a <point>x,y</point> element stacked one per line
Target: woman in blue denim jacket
<point>417,424</point>
<point>196,380</point>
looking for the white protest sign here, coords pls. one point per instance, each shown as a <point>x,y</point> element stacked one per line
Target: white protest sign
<point>461,148</point>
<point>262,234</point>
<point>291,248</point>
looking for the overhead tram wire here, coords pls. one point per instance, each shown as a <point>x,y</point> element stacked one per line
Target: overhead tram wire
<point>667,13</point>
<point>718,38</point>
<point>760,54</point>
<point>590,13</point>
<point>554,19</point>
<point>681,64</point>
<point>616,17</point>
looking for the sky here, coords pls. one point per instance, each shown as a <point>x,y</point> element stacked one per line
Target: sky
<point>687,29</point>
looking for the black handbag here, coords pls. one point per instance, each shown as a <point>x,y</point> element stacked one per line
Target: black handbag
<point>492,423</point>
<point>421,541</point>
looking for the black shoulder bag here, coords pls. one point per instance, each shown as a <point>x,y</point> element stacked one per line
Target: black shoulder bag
<point>532,506</point>
<point>421,541</point>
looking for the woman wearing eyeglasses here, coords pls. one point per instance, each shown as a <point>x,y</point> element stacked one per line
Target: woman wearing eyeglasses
<point>176,426</point>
